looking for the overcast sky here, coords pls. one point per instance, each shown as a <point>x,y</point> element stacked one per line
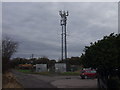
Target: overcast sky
<point>37,29</point>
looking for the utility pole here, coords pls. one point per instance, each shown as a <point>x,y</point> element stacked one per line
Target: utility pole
<point>63,23</point>
<point>32,56</point>
<point>62,44</point>
<point>32,62</point>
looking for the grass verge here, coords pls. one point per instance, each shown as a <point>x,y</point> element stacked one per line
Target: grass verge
<point>30,72</point>
<point>24,71</point>
<point>50,73</point>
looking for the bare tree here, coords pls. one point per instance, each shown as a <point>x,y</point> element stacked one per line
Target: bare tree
<point>9,47</point>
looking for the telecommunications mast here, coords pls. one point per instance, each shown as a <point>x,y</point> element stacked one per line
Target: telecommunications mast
<point>63,23</point>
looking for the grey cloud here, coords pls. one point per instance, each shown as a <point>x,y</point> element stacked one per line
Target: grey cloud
<point>37,26</point>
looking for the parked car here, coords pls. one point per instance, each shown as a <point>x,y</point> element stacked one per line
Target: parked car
<point>88,73</point>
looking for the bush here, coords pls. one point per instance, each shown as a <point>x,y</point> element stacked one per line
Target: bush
<point>114,82</point>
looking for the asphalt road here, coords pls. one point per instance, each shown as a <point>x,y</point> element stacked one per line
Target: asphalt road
<point>40,81</point>
<point>29,81</point>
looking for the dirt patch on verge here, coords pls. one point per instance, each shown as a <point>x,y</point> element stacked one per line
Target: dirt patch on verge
<point>10,81</point>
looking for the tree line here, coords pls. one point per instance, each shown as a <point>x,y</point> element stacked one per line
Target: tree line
<point>43,60</point>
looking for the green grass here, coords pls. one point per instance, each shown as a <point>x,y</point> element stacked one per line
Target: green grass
<point>24,71</point>
<point>30,72</point>
<point>48,73</point>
